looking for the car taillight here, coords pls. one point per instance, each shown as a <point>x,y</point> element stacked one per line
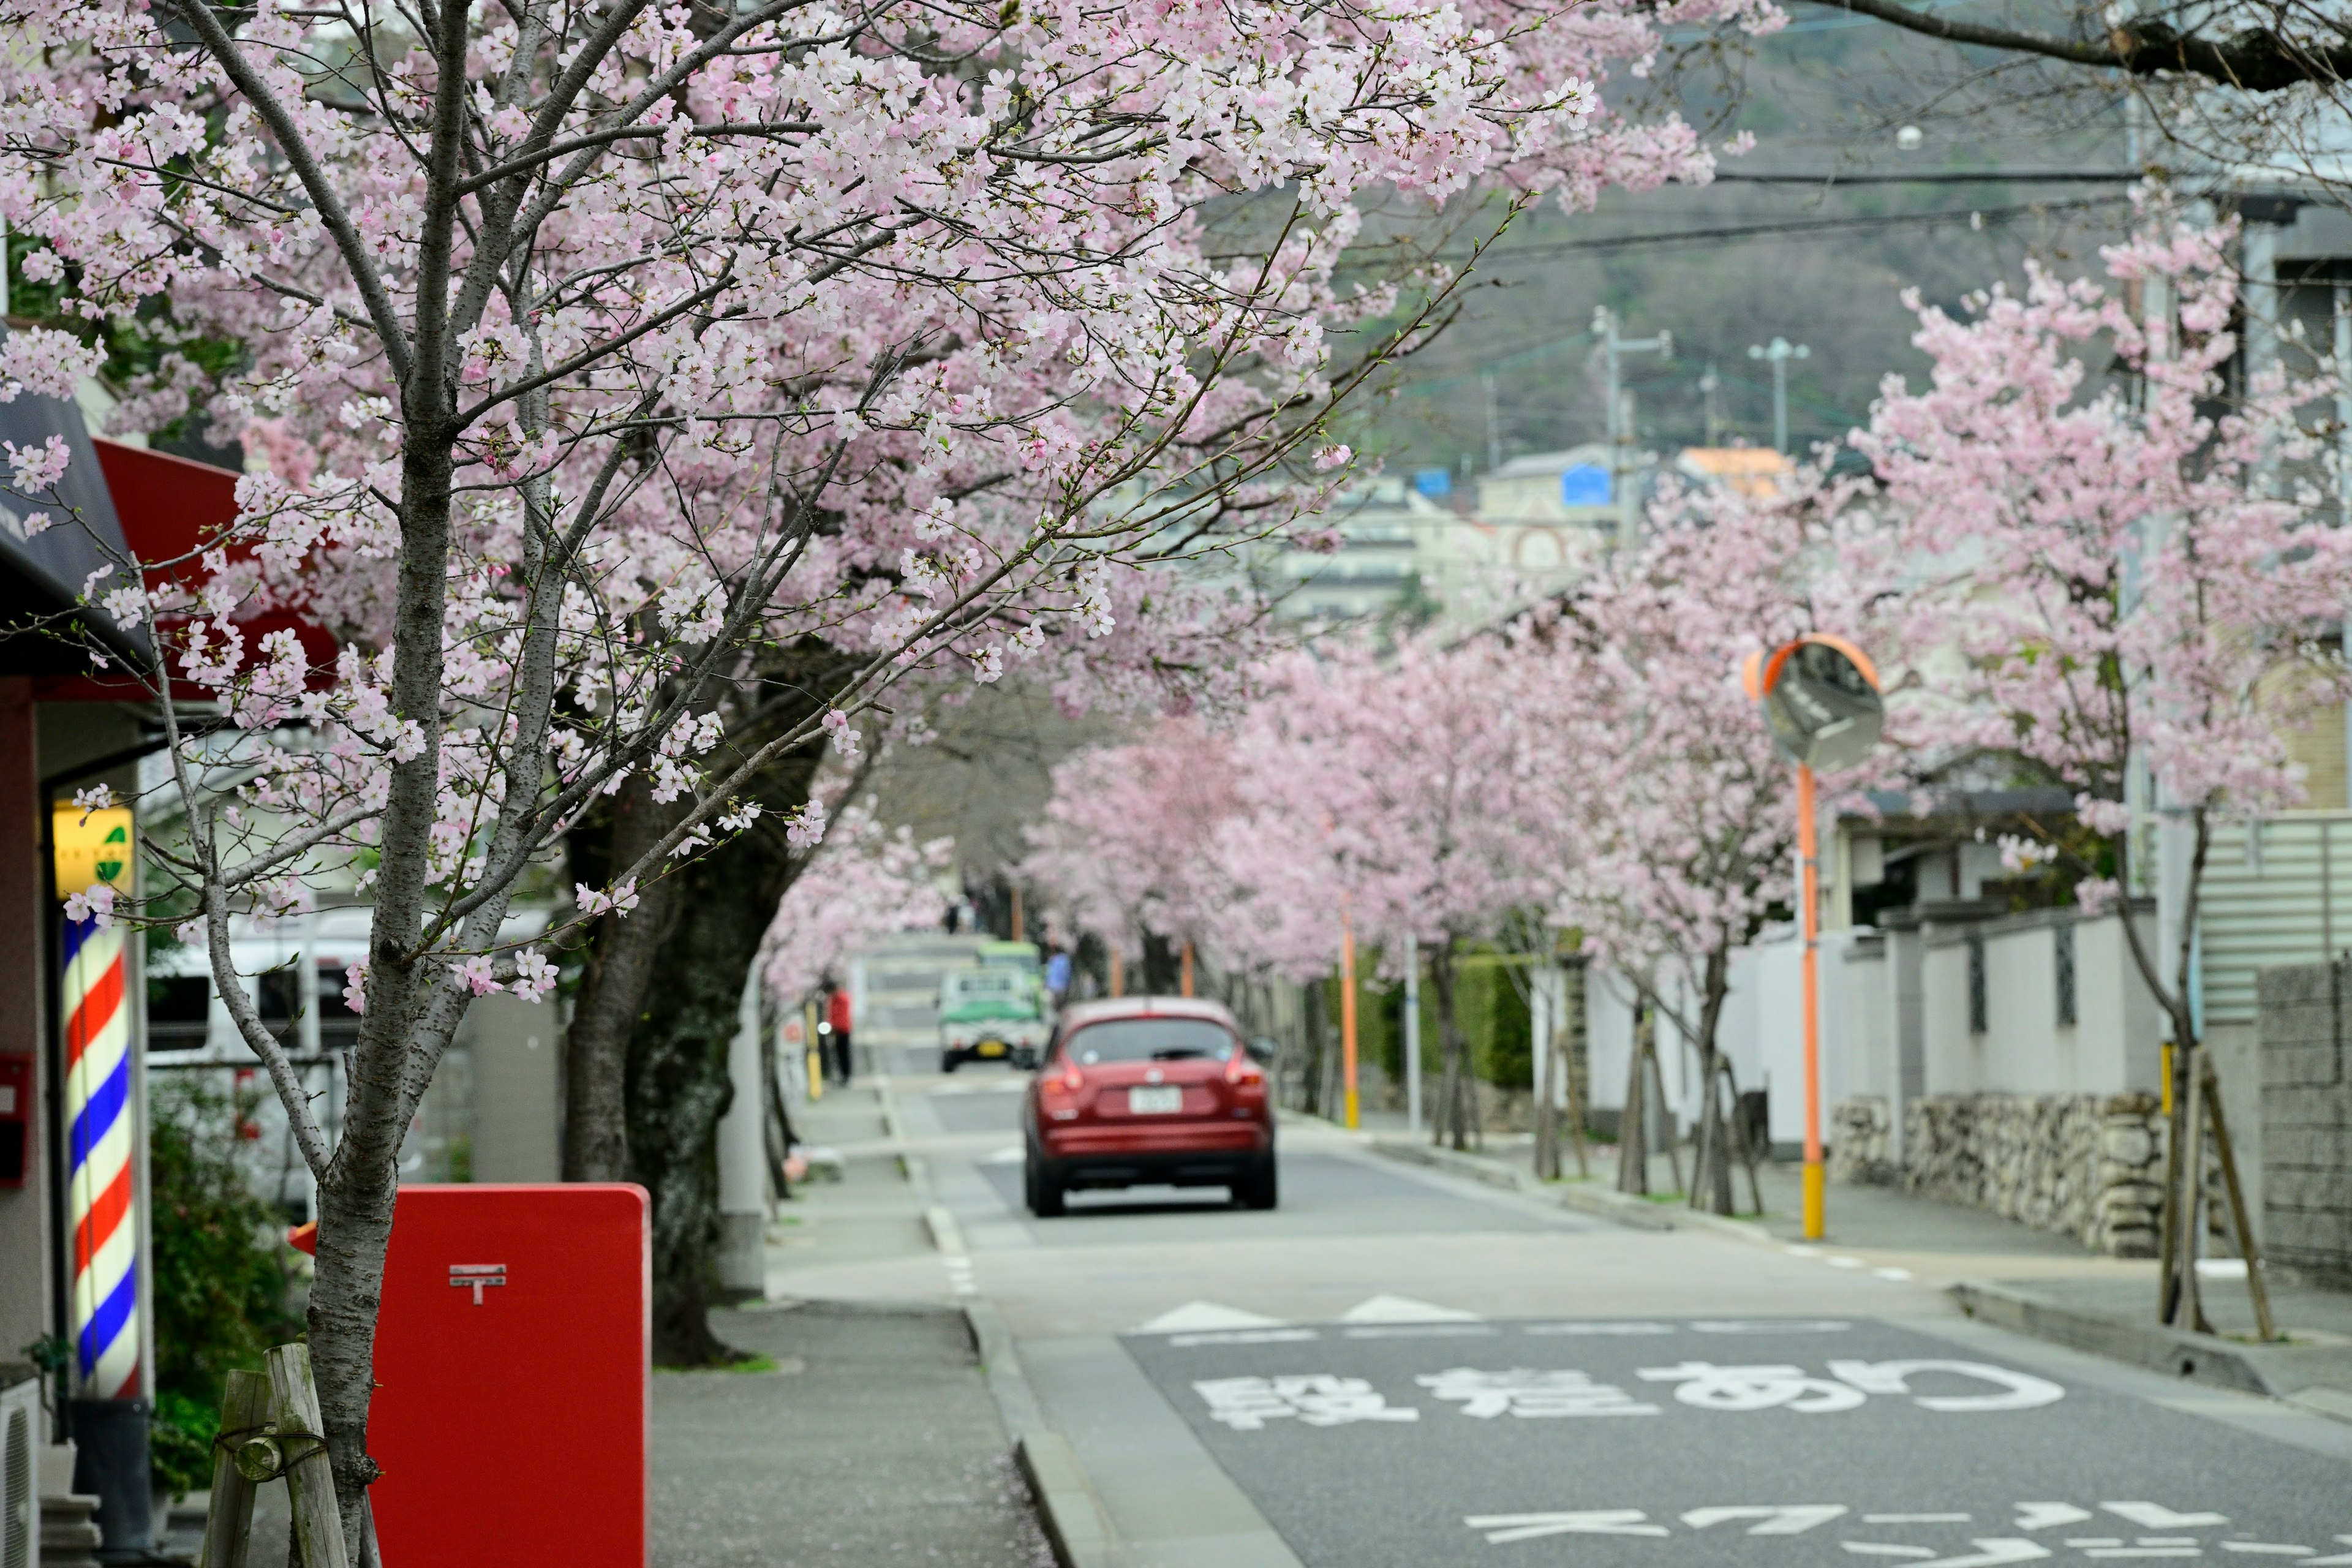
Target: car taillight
<point>1241,1070</point>
<point>1069,1080</point>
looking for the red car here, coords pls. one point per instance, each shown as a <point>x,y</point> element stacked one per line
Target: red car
<point>1147,1090</point>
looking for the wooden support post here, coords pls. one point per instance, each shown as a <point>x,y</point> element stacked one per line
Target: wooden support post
<point>1575,1114</point>
<point>2248,1247</point>
<point>228,1522</point>
<point>309,1479</point>
<point>1746,1146</point>
<point>1666,1115</point>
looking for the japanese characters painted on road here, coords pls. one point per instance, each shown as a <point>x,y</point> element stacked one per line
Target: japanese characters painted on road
<point>1327,1399</point>
<point>512,1360</point>
<point>1979,1552</point>
<point>1820,700</point>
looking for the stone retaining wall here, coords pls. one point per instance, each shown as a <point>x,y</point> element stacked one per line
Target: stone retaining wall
<point>2307,1119</point>
<point>1860,1147</point>
<point>2086,1165</point>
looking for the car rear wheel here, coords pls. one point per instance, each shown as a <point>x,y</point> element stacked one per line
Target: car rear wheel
<point>1043,1188</point>
<point>1257,1190</point>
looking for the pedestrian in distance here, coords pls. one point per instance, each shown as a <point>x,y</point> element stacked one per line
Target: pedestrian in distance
<point>837,1020</point>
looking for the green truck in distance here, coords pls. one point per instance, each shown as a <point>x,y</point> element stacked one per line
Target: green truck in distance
<point>995,1010</point>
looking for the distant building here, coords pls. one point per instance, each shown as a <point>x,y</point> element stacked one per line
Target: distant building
<point>1397,548</point>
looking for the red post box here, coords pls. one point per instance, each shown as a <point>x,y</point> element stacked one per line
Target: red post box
<point>511,1358</point>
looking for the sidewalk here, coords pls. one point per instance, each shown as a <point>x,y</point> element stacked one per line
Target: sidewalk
<point>2031,1281</point>
<point>875,1440</point>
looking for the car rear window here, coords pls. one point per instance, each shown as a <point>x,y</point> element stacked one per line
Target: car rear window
<point>1150,1040</point>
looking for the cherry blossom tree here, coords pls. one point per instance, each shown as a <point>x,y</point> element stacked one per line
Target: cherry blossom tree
<point>1129,847</point>
<point>865,882</point>
<point>599,351</point>
<point>1389,794</point>
<point>1668,819</point>
<point>2137,572</point>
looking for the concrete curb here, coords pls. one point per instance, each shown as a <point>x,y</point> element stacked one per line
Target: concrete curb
<point>1075,1522</point>
<point>1076,1525</point>
<point>1639,1213</point>
<point>2316,1377</point>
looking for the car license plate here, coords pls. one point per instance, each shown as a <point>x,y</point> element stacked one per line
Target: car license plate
<point>991,1048</point>
<point>1155,1101</point>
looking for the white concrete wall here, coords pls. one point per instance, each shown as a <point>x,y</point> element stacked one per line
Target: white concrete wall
<point>1608,1035</point>
<point>1866,1056</point>
<point>2111,1047</point>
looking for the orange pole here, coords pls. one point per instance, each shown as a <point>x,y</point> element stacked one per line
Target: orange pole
<point>1348,1012</point>
<point>1809,898</point>
<point>1188,966</point>
<point>1118,975</point>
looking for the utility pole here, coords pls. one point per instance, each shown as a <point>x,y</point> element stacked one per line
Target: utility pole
<point>1709,385</point>
<point>1620,409</point>
<point>1780,351</point>
<point>1494,424</point>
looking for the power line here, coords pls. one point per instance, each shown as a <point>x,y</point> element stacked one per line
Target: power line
<point>1979,217</point>
<point>1936,177</point>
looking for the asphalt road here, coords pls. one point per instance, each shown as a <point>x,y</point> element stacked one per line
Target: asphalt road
<point>1403,1367</point>
<point>1686,1442</point>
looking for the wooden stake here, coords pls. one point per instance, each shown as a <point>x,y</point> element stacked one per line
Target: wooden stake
<point>1575,1114</point>
<point>309,1479</point>
<point>1739,1132</point>
<point>1665,1114</point>
<point>2248,1247</point>
<point>229,1521</point>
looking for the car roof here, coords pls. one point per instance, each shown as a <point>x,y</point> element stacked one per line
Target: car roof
<point>1078,1014</point>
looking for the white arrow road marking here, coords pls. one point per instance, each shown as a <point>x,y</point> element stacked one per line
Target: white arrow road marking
<point>1404,1310</point>
<point>1992,1554</point>
<point>1193,1317</point>
<point>2155,1516</point>
<point>2144,1549</point>
<point>2023,1390</point>
<point>1884,1549</point>
<point>1791,1519</point>
<point>2340,1558</point>
<point>1502,1529</point>
<point>2043,1515</point>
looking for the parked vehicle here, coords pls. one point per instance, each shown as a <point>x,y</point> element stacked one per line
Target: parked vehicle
<point>1147,1090</point>
<point>995,1011</point>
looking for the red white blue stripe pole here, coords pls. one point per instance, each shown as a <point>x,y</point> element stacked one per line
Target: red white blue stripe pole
<point>100,1132</point>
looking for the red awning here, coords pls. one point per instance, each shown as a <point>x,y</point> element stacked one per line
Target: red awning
<point>169,508</point>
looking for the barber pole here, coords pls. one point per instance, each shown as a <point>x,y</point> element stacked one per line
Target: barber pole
<point>101,1126</point>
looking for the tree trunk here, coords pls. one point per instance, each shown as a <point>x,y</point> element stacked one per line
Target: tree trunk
<point>1711,1181</point>
<point>678,1088</point>
<point>612,995</point>
<point>1454,1113</point>
<point>1632,1129</point>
